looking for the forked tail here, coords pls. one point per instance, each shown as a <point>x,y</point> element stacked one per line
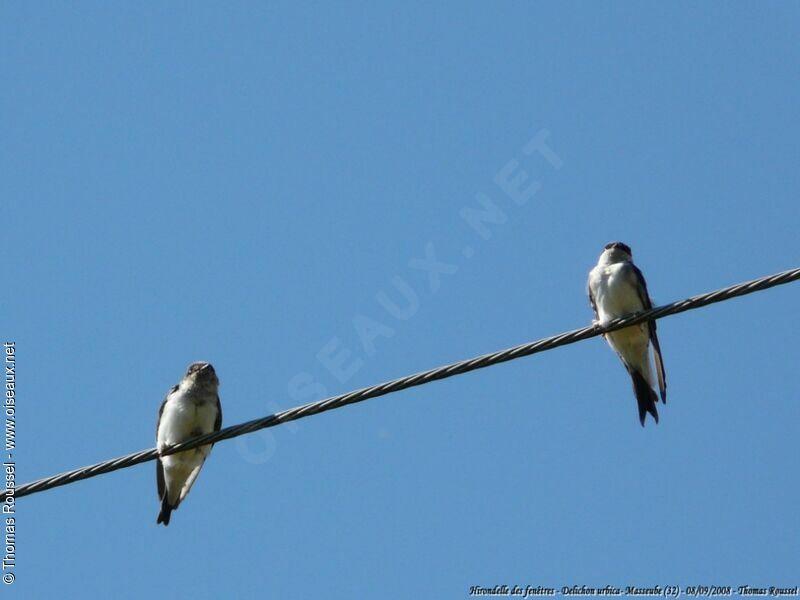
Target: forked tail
<point>646,397</point>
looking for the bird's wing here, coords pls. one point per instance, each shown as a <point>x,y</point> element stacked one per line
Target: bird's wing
<point>591,297</point>
<point>218,422</point>
<point>161,485</point>
<point>647,304</point>
<point>662,377</point>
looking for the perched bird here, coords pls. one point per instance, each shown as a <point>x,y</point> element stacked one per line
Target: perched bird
<point>190,408</point>
<point>617,289</point>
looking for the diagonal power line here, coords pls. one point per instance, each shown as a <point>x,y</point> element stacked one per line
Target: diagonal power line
<point>409,381</point>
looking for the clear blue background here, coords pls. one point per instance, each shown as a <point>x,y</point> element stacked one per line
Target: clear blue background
<point>238,182</point>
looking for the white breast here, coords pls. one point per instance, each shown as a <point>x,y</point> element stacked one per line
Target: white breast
<point>615,291</point>
<point>184,418</point>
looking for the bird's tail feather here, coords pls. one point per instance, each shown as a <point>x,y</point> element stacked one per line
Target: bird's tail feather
<point>166,511</point>
<point>646,398</point>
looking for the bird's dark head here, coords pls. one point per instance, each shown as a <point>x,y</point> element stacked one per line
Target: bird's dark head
<point>617,251</point>
<point>203,374</point>
<point>619,246</point>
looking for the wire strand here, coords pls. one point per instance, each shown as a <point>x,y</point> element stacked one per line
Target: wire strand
<point>396,385</point>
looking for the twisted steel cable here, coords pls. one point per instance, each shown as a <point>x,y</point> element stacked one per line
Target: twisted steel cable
<point>409,381</point>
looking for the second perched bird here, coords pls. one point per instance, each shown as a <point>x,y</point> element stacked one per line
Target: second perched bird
<point>190,409</point>
<point>617,289</point>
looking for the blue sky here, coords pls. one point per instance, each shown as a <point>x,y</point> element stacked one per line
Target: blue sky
<point>247,184</point>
